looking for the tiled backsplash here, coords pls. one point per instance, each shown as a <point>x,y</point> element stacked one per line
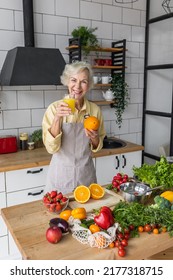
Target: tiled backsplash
<point>22,107</point>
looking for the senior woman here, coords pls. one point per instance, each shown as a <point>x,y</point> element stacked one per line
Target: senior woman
<point>64,135</point>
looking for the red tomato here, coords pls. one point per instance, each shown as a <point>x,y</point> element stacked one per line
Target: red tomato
<point>121,252</point>
<point>127,235</point>
<point>126,230</point>
<point>124,242</point>
<point>147,228</point>
<point>131,227</point>
<point>120,236</point>
<point>120,247</point>
<point>117,243</point>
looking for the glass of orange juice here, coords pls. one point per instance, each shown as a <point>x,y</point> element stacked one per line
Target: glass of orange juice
<point>71,102</point>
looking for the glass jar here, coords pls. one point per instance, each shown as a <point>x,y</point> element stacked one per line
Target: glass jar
<point>23,141</point>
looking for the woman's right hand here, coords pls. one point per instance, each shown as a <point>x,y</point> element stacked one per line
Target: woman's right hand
<point>62,110</point>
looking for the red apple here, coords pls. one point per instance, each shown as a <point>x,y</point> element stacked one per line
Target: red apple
<point>53,234</point>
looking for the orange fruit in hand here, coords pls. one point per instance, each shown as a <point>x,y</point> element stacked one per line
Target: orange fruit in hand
<point>91,123</point>
<point>82,194</point>
<point>97,191</point>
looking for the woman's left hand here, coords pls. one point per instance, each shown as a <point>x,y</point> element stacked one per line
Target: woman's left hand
<point>94,136</point>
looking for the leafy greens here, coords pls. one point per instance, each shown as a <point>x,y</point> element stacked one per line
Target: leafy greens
<point>158,174</point>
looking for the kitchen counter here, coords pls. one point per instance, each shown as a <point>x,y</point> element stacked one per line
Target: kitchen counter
<point>40,157</point>
<point>28,224</point>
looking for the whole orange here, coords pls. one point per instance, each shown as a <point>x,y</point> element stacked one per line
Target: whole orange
<point>91,123</point>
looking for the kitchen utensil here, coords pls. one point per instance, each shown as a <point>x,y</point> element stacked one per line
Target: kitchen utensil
<point>108,95</point>
<point>8,144</point>
<point>138,192</point>
<point>106,79</point>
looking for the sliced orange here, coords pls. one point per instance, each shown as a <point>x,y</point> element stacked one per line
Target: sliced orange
<point>97,191</point>
<point>82,194</point>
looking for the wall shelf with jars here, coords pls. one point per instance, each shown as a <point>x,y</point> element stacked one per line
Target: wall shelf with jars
<point>112,65</point>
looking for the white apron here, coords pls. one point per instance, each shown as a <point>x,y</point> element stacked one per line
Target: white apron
<point>72,165</point>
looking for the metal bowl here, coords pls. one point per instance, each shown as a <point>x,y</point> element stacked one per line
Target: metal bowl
<point>135,192</point>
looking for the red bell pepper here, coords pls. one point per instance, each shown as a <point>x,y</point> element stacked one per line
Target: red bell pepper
<point>105,218</point>
<point>109,211</point>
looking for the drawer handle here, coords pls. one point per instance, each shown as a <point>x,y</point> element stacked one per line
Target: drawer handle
<point>124,161</point>
<point>118,162</point>
<point>34,171</point>
<point>36,193</point>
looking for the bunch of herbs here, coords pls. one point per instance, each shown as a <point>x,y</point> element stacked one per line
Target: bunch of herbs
<point>137,214</point>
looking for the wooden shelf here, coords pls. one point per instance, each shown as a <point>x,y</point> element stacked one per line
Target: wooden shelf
<point>102,102</point>
<point>107,67</point>
<point>97,49</point>
<point>102,85</point>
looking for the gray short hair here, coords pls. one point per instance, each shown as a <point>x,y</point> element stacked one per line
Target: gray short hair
<point>75,68</point>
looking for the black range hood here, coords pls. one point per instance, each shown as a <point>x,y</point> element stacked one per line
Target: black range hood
<point>30,65</point>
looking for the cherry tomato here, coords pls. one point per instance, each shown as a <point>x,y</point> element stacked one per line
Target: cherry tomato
<point>112,245</point>
<point>147,228</point>
<point>121,252</point>
<point>124,242</point>
<point>164,229</point>
<point>127,235</point>
<point>117,243</point>
<point>131,227</point>
<point>140,229</point>
<point>155,231</point>
<point>120,235</point>
<point>126,230</point>
<point>120,247</point>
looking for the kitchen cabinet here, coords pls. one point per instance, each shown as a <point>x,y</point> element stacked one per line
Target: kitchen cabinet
<point>109,166</point>
<point>158,82</point>
<point>3,228</point>
<point>17,187</point>
<point>118,55</point>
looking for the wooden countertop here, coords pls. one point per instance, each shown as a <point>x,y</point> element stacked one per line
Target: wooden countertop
<point>40,157</point>
<point>28,224</point>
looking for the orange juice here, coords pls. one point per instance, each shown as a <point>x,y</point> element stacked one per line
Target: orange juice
<point>71,103</point>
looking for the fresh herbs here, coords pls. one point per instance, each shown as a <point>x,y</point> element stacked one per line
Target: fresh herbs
<point>139,215</point>
<point>159,174</point>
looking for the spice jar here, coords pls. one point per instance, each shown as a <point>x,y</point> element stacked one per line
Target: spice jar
<point>30,145</point>
<point>23,141</point>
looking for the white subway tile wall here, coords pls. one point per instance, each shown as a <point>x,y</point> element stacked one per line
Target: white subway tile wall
<point>22,107</point>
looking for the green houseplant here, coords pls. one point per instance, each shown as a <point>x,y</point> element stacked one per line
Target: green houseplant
<point>88,38</point>
<point>36,137</point>
<point>120,91</point>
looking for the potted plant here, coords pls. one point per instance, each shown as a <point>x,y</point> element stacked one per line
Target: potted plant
<point>120,90</point>
<point>88,38</point>
<point>36,137</point>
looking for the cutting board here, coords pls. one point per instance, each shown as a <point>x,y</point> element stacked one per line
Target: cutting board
<point>109,199</point>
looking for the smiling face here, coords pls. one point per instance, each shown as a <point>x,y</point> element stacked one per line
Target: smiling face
<point>79,84</point>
